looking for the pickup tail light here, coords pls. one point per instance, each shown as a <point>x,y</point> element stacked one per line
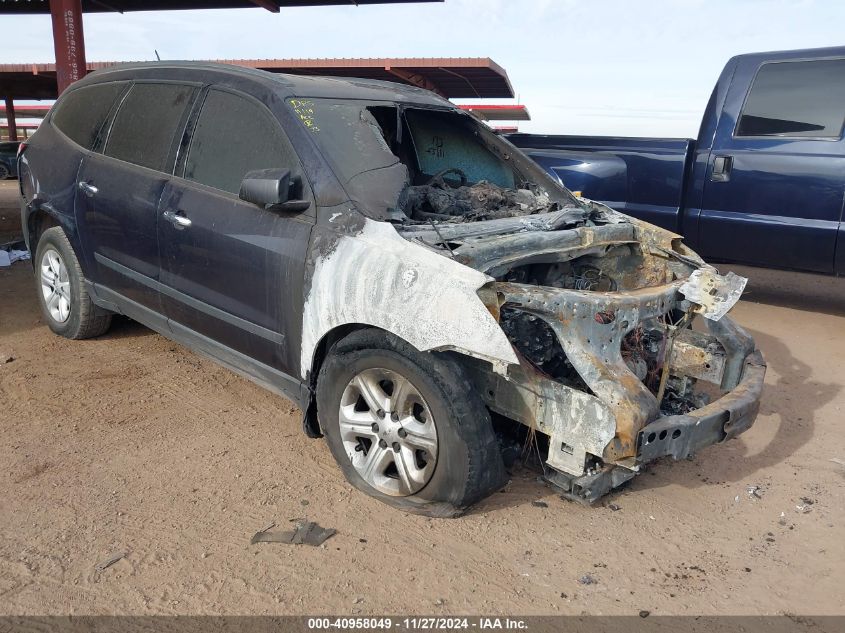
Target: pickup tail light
<point>21,148</point>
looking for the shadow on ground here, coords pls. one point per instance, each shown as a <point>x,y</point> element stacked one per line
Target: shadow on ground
<point>789,381</point>
<point>799,291</point>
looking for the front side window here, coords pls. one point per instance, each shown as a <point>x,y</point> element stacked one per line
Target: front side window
<point>82,112</point>
<point>233,136</point>
<point>796,99</point>
<point>148,119</point>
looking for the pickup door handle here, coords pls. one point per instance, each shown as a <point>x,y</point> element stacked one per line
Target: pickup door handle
<point>88,189</point>
<point>177,219</point>
<point>722,168</point>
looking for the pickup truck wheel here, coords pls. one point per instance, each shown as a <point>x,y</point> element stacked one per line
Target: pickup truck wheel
<point>406,427</point>
<point>4,172</point>
<point>65,304</point>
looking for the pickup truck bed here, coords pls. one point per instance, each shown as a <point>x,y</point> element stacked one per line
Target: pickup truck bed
<point>643,177</point>
<point>762,185</point>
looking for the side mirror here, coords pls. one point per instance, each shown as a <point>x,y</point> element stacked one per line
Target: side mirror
<point>273,188</point>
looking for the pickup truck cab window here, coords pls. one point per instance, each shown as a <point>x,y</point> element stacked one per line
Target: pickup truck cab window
<point>145,125</point>
<point>234,135</point>
<point>796,99</point>
<point>84,110</point>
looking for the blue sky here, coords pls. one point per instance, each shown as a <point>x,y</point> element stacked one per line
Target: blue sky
<point>582,67</point>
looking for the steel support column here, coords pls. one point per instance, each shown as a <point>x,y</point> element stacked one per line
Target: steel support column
<point>68,41</point>
<point>11,123</point>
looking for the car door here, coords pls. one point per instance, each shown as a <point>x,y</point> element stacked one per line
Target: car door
<point>232,272</point>
<point>776,177</point>
<point>119,190</point>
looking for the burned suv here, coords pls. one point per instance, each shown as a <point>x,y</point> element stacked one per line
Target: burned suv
<point>388,262</point>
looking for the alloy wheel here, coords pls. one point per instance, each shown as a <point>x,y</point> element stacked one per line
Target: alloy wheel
<point>55,285</point>
<point>388,432</point>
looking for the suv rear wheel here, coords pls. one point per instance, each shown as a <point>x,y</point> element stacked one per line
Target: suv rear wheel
<point>65,304</point>
<point>406,427</point>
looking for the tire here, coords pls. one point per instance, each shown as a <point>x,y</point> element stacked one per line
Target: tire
<point>440,403</point>
<point>4,172</point>
<point>65,304</point>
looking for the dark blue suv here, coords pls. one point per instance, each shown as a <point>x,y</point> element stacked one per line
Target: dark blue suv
<point>392,265</point>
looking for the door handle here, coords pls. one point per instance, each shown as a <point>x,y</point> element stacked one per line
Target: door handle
<point>177,219</point>
<point>88,189</point>
<point>722,166</point>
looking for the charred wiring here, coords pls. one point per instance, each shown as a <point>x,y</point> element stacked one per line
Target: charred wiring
<point>453,200</point>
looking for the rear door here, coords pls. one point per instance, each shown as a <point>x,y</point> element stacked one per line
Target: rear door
<point>776,176</point>
<point>119,189</point>
<point>232,272</point>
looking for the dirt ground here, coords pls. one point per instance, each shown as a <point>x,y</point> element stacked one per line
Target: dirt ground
<point>130,443</point>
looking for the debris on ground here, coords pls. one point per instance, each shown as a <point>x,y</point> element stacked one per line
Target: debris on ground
<point>6,358</point>
<point>111,560</point>
<point>754,491</point>
<point>614,507</point>
<point>587,579</point>
<point>539,504</point>
<point>7,258</point>
<point>782,519</point>
<point>837,460</point>
<point>644,613</point>
<point>439,602</point>
<point>306,532</point>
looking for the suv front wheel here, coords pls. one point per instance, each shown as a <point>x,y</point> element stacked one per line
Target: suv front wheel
<point>406,427</point>
<point>65,304</point>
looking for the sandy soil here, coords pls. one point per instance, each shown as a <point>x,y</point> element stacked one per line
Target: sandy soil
<point>131,443</point>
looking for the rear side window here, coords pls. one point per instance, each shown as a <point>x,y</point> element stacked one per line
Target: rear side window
<point>143,130</point>
<point>233,136</point>
<point>803,99</point>
<point>82,112</point>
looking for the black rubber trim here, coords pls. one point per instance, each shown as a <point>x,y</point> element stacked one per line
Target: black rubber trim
<point>196,304</point>
<point>259,373</point>
<point>683,435</point>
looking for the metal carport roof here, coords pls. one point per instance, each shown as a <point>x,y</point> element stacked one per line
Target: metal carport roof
<point>451,77</point>
<point>104,6</point>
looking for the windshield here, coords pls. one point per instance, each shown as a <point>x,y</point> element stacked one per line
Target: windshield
<point>406,163</point>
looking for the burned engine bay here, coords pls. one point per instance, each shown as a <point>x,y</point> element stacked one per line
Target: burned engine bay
<point>623,352</point>
<point>439,201</point>
<point>620,332</point>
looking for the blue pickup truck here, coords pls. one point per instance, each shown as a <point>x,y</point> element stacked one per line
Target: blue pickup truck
<point>764,183</point>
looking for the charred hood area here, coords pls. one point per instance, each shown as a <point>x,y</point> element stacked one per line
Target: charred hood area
<point>484,200</point>
<point>599,303</point>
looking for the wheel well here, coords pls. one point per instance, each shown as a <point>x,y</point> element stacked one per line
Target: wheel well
<point>38,222</point>
<point>311,424</point>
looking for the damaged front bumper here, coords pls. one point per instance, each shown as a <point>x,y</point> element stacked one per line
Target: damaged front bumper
<point>681,436</point>
<point>677,436</point>
<point>604,428</point>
